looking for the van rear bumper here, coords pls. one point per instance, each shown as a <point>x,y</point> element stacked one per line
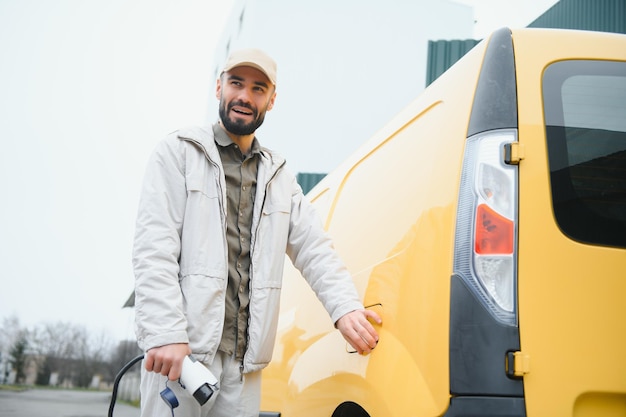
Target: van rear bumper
<point>486,407</point>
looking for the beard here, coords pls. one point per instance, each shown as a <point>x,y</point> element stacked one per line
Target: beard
<point>236,126</point>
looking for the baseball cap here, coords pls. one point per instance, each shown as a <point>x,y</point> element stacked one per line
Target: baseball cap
<point>254,58</point>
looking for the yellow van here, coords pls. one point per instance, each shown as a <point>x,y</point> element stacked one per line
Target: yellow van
<point>487,225</point>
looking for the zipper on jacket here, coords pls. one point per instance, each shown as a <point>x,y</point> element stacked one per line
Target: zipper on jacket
<point>267,184</point>
<point>251,291</point>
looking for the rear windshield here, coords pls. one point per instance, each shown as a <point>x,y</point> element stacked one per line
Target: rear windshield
<point>585,113</point>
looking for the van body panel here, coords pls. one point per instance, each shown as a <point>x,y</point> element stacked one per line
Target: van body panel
<point>405,266</point>
<point>391,210</point>
<point>571,308</point>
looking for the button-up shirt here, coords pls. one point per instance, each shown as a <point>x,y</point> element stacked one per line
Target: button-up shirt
<point>240,171</point>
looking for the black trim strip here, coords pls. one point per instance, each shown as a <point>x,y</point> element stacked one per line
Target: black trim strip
<point>486,407</point>
<point>478,347</point>
<point>495,100</point>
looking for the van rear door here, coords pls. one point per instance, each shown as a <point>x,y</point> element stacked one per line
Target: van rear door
<point>572,222</point>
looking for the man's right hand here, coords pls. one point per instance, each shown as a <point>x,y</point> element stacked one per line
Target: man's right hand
<point>167,360</point>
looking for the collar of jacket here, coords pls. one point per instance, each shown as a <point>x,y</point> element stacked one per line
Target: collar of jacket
<point>204,138</point>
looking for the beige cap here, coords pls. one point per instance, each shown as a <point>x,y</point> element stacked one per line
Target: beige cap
<point>254,58</point>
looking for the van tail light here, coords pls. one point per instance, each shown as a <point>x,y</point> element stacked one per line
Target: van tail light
<point>486,231</point>
<point>494,232</point>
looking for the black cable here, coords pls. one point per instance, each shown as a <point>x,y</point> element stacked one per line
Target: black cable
<point>117,381</point>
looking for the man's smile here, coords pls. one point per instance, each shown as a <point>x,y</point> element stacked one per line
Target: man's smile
<point>242,110</point>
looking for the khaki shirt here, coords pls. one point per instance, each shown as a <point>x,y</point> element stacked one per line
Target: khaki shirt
<point>240,172</point>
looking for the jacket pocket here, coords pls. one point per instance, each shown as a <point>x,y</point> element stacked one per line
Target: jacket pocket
<point>201,184</point>
<point>203,242</point>
<point>278,207</point>
<point>270,246</point>
<point>263,324</point>
<point>203,303</point>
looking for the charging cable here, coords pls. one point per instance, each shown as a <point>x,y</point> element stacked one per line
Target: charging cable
<point>116,383</point>
<point>167,394</point>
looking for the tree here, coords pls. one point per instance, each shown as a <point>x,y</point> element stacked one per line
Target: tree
<point>44,372</point>
<point>10,331</point>
<point>72,352</point>
<point>64,348</point>
<point>126,350</point>
<point>92,354</point>
<point>19,358</point>
<point>56,342</point>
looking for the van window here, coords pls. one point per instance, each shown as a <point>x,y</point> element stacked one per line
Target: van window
<point>585,114</point>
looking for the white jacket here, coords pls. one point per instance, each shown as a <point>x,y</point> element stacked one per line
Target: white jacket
<point>180,256</point>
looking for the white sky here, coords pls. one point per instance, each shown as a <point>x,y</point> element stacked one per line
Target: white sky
<point>87,87</point>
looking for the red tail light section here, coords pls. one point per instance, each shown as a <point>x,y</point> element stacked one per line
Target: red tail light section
<point>494,232</point>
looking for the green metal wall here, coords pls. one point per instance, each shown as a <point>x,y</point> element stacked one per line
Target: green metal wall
<point>308,180</point>
<point>597,15</point>
<point>442,54</point>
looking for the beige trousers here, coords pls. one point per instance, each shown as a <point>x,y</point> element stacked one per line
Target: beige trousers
<point>235,398</point>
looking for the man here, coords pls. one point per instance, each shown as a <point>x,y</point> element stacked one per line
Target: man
<point>217,214</point>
